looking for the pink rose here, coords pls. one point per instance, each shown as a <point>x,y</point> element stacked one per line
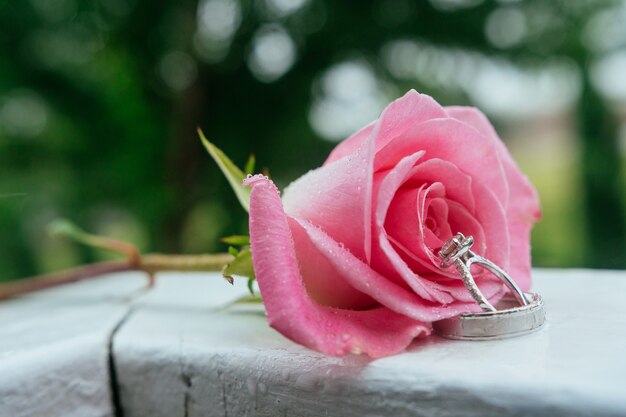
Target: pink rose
<point>347,260</point>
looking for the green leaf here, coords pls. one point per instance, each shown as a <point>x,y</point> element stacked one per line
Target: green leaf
<point>241,265</point>
<point>249,169</point>
<point>236,240</point>
<point>233,174</point>
<point>233,251</point>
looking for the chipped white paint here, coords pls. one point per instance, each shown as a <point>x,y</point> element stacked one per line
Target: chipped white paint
<point>182,351</point>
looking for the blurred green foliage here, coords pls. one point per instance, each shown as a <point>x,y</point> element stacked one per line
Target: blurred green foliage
<point>100,101</point>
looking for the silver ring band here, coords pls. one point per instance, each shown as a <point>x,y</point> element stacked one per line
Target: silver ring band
<point>500,324</point>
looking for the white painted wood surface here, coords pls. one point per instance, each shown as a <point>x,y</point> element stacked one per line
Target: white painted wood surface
<point>54,348</point>
<point>180,350</point>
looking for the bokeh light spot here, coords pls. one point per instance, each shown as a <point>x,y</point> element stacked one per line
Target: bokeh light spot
<point>351,96</point>
<point>23,113</point>
<point>505,27</point>
<point>282,8</point>
<point>217,23</point>
<point>178,70</point>
<point>608,75</point>
<point>273,53</point>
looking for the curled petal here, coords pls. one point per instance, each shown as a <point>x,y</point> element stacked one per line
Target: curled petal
<point>377,332</point>
<point>386,192</point>
<point>404,114</point>
<point>458,184</point>
<point>322,281</point>
<point>453,141</point>
<point>380,288</point>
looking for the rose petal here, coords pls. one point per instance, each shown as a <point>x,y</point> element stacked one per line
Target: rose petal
<point>458,184</point>
<point>386,292</point>
<point>413,235</point>
<point>398,224</point>
<point>386,186</point>
<point>421,287</point>
<point>523,207</point>
<point>425,195</point>
<point>524,202</point>
<point>385,193</point>
<point>322,281</point>
<point>377,332</point>
<point>337,198</point>
<point>491,287</point>
<point>453,141</point>
<point>519,267</point>
<point>397,118</point>
<point>405,113</point>
<point>438,211</point>
<point>351,144</point>
<point>461,220</point>
<point>423,267</point>
<point>492,217</point>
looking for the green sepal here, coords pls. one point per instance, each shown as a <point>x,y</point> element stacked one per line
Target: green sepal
<point>241,266</point>
<point>233,251</point>
<point>249,168</point>
<point>236,240</point>
<point>233,174</point>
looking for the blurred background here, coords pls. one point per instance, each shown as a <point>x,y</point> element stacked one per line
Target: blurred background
<point>100,99</point>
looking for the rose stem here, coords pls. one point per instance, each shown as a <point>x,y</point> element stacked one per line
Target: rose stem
<point>135,261</point>
<point>150,264</point>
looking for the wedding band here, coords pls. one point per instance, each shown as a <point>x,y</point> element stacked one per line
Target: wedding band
<point>518,314</point>
<point>511,321</point>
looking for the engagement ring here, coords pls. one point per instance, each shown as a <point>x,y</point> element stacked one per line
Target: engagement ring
<point>518,314</point>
